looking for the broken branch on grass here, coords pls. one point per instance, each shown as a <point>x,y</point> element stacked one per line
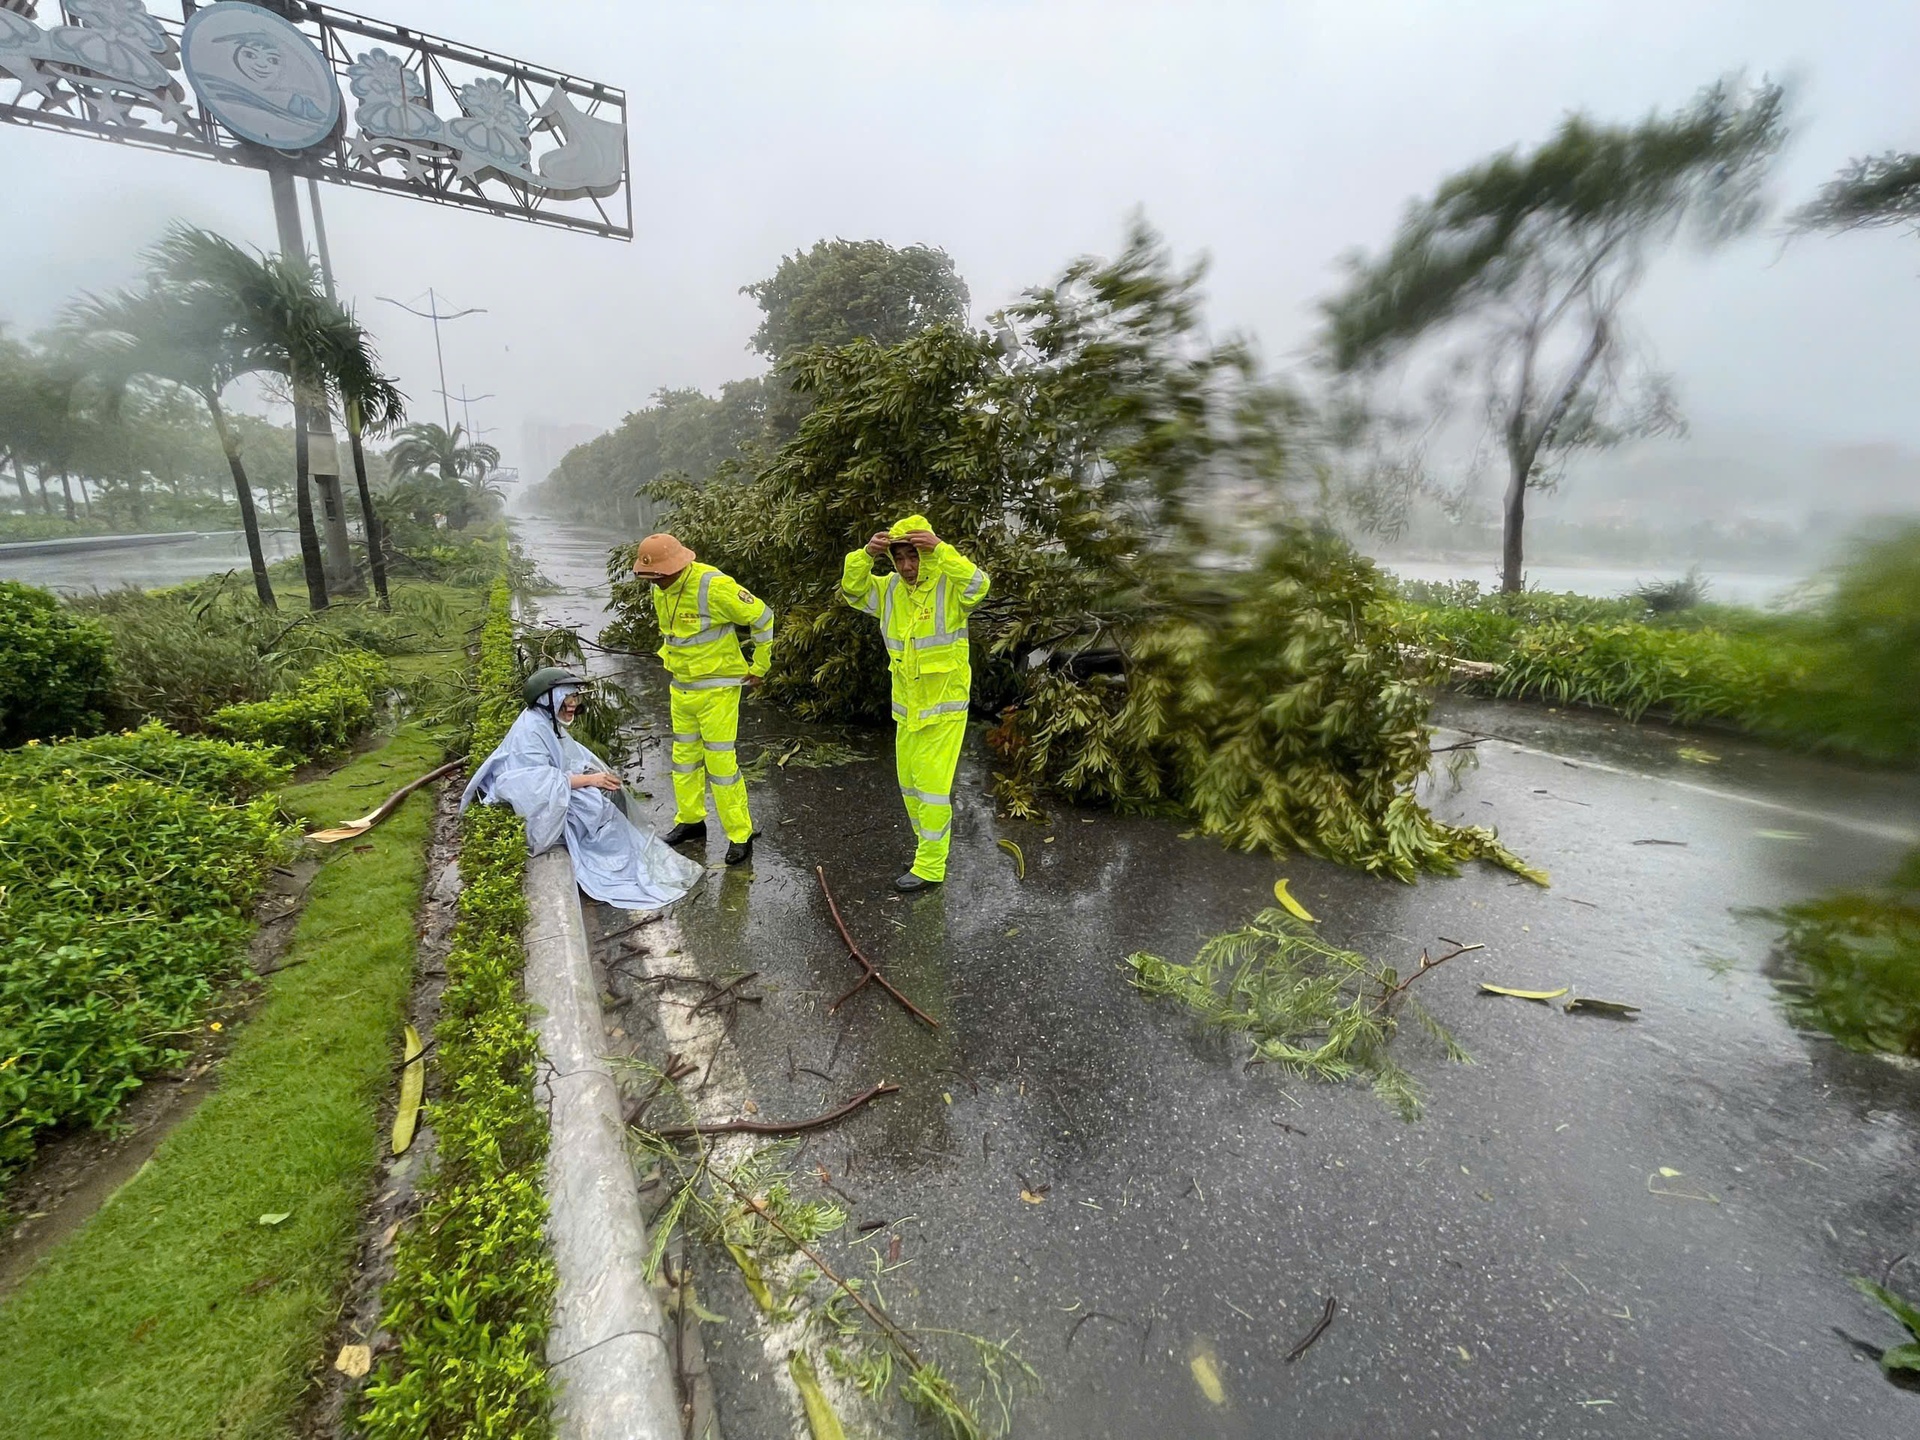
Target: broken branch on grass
<point>872,970</point>
<point>1319,1329</point>
<point>353,829</point>
<point>774,1127</point>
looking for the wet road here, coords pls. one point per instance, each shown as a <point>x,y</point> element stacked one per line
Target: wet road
<point>1514,1264</point>
<point>82,572</point>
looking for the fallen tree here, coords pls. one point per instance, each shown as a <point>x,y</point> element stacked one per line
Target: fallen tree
<point>1167,629</point>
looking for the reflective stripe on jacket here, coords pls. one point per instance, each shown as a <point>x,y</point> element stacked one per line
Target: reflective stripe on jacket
<point>925,628</point>
<point>698,614</point>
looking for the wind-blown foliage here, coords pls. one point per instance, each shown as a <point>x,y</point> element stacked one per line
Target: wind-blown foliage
<point>1523,262</point>
<point>830,295</point>
<point>1856,958</point>
<point>180,332</point>
<point>1872,192</point>
<point>441,471</point>
<point>846,290</point>
<point>1152,654</point>
<point>278,316</point>
<point>1310,1007</point>
<point>1273,707</point>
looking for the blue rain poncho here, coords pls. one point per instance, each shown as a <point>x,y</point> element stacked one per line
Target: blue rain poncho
<point>613,859</point>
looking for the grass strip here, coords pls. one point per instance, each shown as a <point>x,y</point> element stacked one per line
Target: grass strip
<point>472,1294</point>
<point>178,1310</point>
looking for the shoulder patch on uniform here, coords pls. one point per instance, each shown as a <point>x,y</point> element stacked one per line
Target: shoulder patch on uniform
<point>745,596</point>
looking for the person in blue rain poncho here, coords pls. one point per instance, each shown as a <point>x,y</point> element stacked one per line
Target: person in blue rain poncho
<point>563,791</point>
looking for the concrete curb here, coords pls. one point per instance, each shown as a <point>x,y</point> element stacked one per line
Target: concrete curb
<point>608,1346</point>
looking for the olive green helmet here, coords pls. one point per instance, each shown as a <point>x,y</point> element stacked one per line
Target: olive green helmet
<point>544,679</point>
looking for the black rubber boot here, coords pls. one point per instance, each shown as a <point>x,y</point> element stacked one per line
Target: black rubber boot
<point>910,882</point>
<point>686,830</point>
<point>740,851</point>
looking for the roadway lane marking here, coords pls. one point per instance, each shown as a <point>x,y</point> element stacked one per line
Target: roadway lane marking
<point>1895,834</point>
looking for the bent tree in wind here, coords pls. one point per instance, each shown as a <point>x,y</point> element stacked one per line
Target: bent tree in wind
<point>1515,272</point>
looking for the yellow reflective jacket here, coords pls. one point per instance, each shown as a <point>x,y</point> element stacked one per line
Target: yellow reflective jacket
<point>698,613</point>
<point>925,627</point>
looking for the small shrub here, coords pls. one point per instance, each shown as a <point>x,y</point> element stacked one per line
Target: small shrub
<point>55,667</point>
<point>1666,597</point>
<point>215,769</point>
<point>180,655</point>
<point>123,905</point>
<point>320,716</point>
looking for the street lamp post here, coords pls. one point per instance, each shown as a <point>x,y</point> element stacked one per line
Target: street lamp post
<point>434,313</point>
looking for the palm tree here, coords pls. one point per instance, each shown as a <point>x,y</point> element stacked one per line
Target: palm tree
<point>280,319</point>
<point>180,335</point>
<point>55,427</point>
<point>368,401</point>
<point>16,414</point>
<point>426,450</point>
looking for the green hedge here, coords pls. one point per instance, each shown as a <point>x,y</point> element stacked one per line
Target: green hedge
<point>1842,675</point>
<point>124,903</point>
<point>55,667</point>
<point>322,715</point>
<point>1689,675</point>
<point>217,769</point>
<point>472,1293</point>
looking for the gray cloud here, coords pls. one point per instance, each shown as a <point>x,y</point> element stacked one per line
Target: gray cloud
<point>1272,137</point>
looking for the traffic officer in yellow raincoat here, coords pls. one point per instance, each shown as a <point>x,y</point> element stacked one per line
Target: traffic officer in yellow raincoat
<point>699,607</point>
<point>922,608</point>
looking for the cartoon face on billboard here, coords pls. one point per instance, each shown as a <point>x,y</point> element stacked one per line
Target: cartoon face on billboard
<point>259,76</point>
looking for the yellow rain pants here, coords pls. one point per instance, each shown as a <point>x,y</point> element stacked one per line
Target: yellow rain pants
<point>925,760</point>
<point>706,724</point>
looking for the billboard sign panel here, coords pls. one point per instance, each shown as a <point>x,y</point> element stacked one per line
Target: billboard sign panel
<point>265,85</point>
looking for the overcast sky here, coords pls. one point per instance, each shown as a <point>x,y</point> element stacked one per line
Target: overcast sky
<point>1271,136</point>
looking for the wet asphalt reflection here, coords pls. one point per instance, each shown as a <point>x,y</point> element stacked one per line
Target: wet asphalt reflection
<point>1514,1264</point>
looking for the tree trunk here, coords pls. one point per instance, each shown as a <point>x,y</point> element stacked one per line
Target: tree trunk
<point>66,489</point>
<point>20,479</point>
<point>311,560</point>
<point>376,540</point>
<point>86,498</point>
<point>46,501</point>
<point>1512,580</point>
<point>243,492</point>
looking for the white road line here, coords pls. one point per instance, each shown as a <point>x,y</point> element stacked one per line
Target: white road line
<point>704,1042</point>
<point>1896,834</point>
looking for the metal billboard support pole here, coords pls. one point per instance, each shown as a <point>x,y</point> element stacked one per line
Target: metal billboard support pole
<point>369,521</point>
<point>286,215</point>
